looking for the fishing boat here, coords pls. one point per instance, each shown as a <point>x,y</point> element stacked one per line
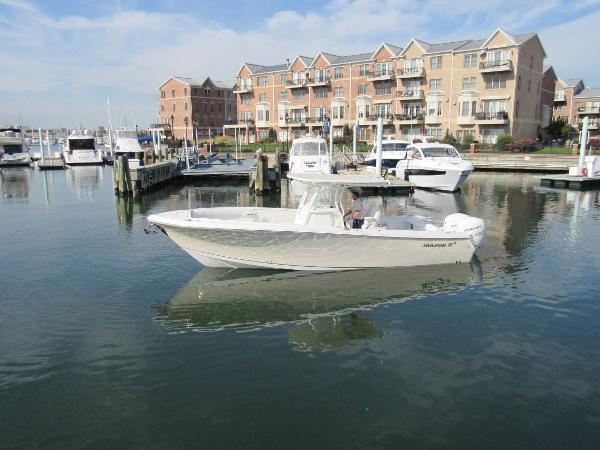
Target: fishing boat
<point>433,166</point>
<point>315,236</point>
<point>13,151</point>
<point>126,143</point>
<point>309,155</point>
<point>392,151</point>
<point>80,149</point>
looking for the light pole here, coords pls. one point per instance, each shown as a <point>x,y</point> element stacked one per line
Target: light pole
<point>195,133</point>
<point>172,132</point>
<point>187,158</point>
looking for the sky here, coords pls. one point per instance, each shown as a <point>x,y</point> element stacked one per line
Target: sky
<point>62,59</point>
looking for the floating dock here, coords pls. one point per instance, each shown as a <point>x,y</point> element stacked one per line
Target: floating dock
<point>51,164</point>
<point>521,162</point>
<point>570,182</point>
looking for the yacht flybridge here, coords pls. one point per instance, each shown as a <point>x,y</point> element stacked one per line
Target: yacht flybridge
<point>13,151</point>
<point>315,237</point>
<point>80,149</point>
<point>433,166</point>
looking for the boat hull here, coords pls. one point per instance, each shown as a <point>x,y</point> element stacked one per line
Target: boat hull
<point>17,160</point>
<point>213,245</point>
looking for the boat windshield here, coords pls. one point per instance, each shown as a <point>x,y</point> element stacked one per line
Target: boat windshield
<point>82,144</point>
<point>392,146</point>
<point>437,152</point>
<point>306,149</point>
<point>11,149</point>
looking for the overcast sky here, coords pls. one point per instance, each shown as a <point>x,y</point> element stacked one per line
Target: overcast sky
<point>61,60</point>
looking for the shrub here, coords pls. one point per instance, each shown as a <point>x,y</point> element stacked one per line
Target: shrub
<point>503,141</point>
<point>224,139</point>
<point>468,139</point>
<point>449,139</point>
<point>522,145</point>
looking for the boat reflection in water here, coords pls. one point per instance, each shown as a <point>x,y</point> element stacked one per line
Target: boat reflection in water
<point>84,180</point>
<point>14,182</point>
<point>328,309</point>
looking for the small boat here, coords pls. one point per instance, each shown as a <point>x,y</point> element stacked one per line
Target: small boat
<point>13,151</point>
<point>80,149</point>
<point>215,165</point>
<point>126,143</point>
<point>309,155</point>
<point>315,237</point>
<point>392,151</point>
<point>433,166</point>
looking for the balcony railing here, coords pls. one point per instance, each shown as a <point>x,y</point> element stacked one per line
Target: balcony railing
<point>365,73</point>
<point>386,74</point>
<point>296,83</point>
<point>246,122</point>
<point>410,72</point>
<point>318,81</point>
<point>489,116</point>
<point>409,117</point>
<point>588,109</point>
<point>375,117</point>
<point>496,66</point>
<point>297,120</point>
<point>559,96</point>
<point>243,88</point>
<point>410,94</point>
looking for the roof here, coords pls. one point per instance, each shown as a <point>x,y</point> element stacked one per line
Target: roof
<point>352,58</point>
<point>571,82</point>
<point>446,46</point>
<point>200,82</point>
<point>306,59</point>
<point>591,92</point>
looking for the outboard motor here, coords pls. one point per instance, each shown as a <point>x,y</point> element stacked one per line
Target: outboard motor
<point>462,223</point>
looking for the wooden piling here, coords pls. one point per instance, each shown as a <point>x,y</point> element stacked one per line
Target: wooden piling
<point>124,176</point>
<point>261,184</point>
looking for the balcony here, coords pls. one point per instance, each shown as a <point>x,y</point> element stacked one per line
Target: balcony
<point>409,119</point>
<point>495,66</point>
<point>588,110</point>
<point>466,120</point>
<point>372,119</point>
<point>296,84</point>
<point>365,73</point>
<point>559,96</point>
<point>338,122</point>
<point>243,89</point>
<point>410,72</point>
<point>433,119</point>
<point>318,81</point>
<point>410,94</point>
<point>491,118</point>
<point>381,75</point>
<point>297,122</point>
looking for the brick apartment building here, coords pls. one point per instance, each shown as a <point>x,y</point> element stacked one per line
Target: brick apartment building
<point>206,104</point>
<point>485,88</point>
<point>587,103</point>
<point>564,106</point>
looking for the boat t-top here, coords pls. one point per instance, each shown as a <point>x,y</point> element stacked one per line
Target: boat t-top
<point>309,155</point>
<point>433,166</point>
<point>13,151</point>
<point>392,151</point>
<point>80,149</point>
<point>127,143</point>
<point>315,237</point>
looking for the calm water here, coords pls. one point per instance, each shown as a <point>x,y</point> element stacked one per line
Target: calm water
<point>112,338</point>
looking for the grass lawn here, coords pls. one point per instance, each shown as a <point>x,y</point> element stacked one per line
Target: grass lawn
<point>555,151</point>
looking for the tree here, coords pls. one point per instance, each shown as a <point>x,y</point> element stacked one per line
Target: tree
<point>556,128</point>
<point>503,141</point>
<point>272,135</point>
<point>347,131</point>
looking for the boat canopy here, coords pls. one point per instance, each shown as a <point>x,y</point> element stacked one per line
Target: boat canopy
<point>339,180</point>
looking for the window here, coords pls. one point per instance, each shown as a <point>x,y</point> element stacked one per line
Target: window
<point>495,82</point>
<point>436,62</point>
<point>338,72</point>
<point>489,135</point>
<point>412,110</point>
<point>364,134</point>
<point>338,111</point>
<point>362,111</point>
<point>362,89</point>
<point>219,93</point>
<point>467,108</point>
<point>321,114</point>
<point>461,134</point>
<point>298,94</point>
<point>184,91</point>
<point>435,84</point>
<point>434,108</point>
<point>383,110</point>
<point>519,82</point>
<point>162,94</point>
<point>246,83</point>
<point>496,58</point>
<point>383,69</point>
<point>433,133</point>
<point>283,96</point>
<point>321,92</point>
<point>364,70</point>
<point>383,88</point>
<point>173,93</point>
<point>517,109</point>
<point>245,99</point>
<point>261,81</point>
<point>321,75</point>
<point>470,60</point>
<point>246,116</point>
<point>263,134</point>
<point>173,106</point>
<point>413,65</point>
<point>338,91</point>
<point>162,108</point>
<point>262,98</point>
<point>185,106</point>
<point>282,78</point>
<point>529,85</point>
<point>491,108</point>
<point>207,92</point>
<point>468,83</point>
<point>262,115</point>
<point>298,77</point>
<point>531,62</point>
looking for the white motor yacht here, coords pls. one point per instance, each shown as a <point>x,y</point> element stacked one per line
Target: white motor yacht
<point>13,151</point>
<point>434,166</point>
<point>126,143</point>
<point>315,237</point>
<point>80,149</point>
<point>392,151</point>
<point>309,155</point>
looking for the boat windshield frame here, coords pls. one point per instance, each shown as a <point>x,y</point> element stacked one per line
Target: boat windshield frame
<point>297,149</point>
<point>439,152</point>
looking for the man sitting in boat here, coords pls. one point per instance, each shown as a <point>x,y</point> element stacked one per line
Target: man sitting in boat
<point>356,211</point>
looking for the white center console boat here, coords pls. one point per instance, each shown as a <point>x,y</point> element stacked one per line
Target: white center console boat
<point>315,237</point>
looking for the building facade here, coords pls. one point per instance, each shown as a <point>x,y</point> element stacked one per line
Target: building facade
<point>483,88</point>
<point>201,104</point>
<point>587,104</point>
<point>564,106</point>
